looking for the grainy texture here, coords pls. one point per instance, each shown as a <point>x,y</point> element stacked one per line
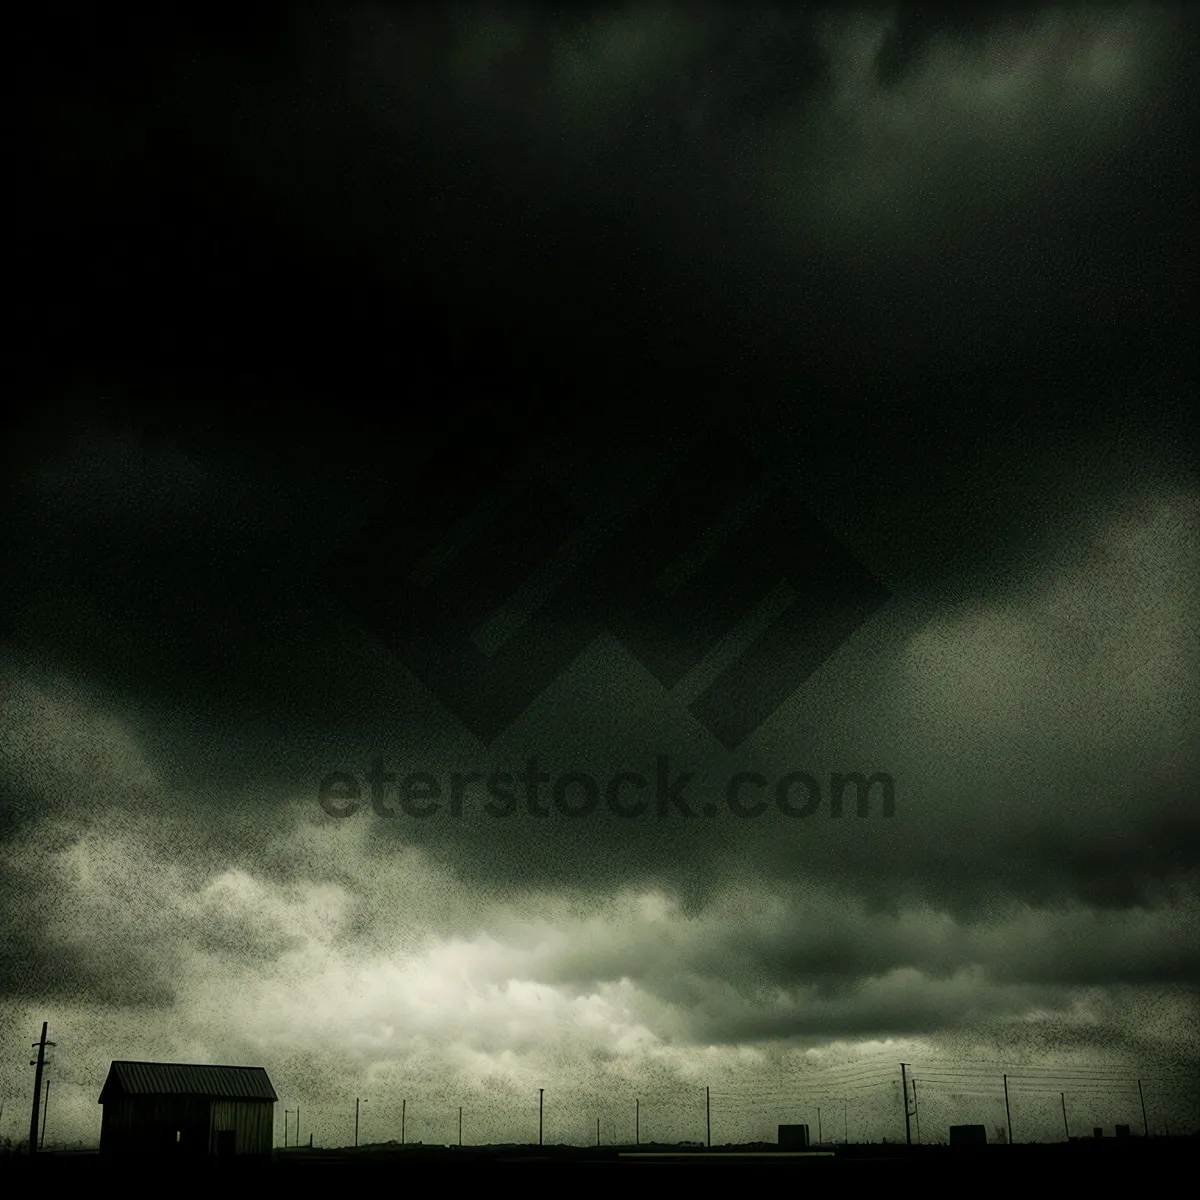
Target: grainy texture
<point>292,298</point>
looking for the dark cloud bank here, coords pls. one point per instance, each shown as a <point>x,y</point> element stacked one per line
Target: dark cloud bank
<point>325,274</point>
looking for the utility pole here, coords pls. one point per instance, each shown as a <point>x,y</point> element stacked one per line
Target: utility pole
<point>637,1122</point>
<point>1007,1110</point>
<point>45,1110</point>
<point>846,1114</point>
<point>1145,1124</point>
<point>541,1092</point>
<point>403,1106</point>
<point>917,1112</point>
<point>1066,1128</point>
<point>356,1122</point>
<point>597,1131</point>
<point>286,1114</point>
<point>460,1125</point>
<point>707,1121</point>
<point>820,1142</point>
<point>904,1089</point>
<point>297,1125</point>
<point>40,1063</point>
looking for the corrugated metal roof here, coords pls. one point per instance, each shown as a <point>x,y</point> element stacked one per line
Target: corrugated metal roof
<point>187,1079</point>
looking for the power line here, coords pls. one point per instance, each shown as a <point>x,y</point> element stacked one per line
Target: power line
<point>824,1083</point>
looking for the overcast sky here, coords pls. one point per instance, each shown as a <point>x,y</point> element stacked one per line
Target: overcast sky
<point>300,295</point>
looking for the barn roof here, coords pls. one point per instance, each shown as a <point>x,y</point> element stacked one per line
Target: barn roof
<point>185,1079</point>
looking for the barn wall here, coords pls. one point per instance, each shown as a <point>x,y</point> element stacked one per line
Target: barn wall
<point>253,1122</point>
<point>149,1125</point>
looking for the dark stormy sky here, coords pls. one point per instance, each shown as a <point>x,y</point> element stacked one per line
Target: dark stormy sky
<point>321,281</point>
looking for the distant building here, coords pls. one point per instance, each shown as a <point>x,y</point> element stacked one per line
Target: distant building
<point>187,1111</point>
<point>1097,1132</point>
<point>1122,1130</point>
<point>793,1137</point>
<point>968,1135</point>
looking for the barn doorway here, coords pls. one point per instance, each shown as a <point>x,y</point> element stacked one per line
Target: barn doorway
<point>226,1143</point>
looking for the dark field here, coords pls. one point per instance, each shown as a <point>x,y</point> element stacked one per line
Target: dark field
<point>1108,1158</point>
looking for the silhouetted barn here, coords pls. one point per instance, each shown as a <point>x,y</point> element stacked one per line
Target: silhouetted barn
<point>187,1111</point>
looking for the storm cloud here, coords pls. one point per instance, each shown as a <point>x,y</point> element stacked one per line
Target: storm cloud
<point>305,285</point>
